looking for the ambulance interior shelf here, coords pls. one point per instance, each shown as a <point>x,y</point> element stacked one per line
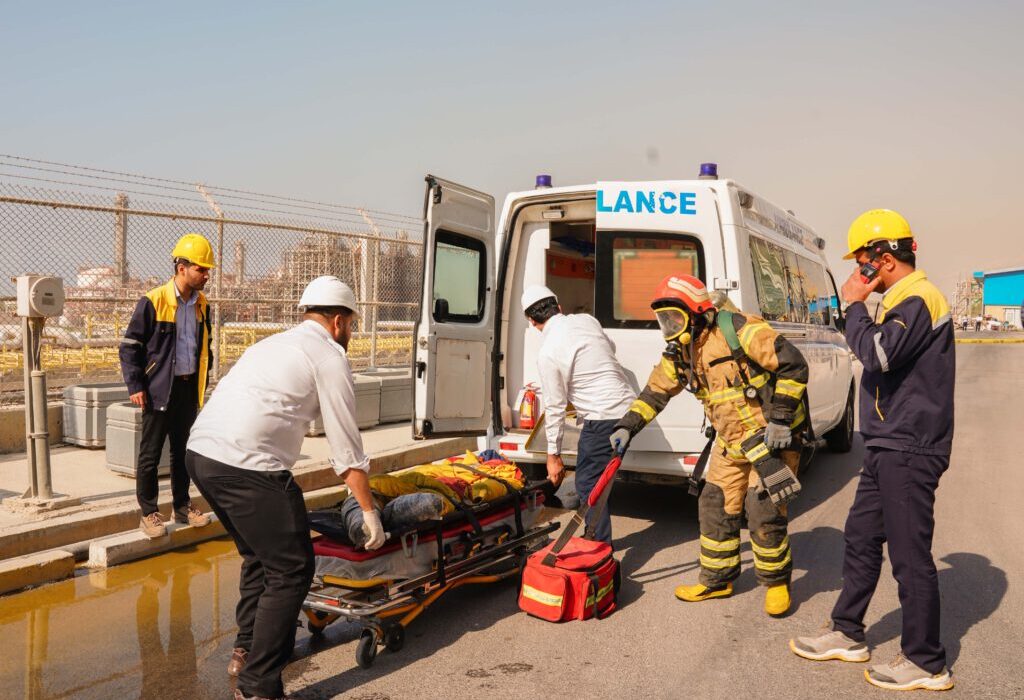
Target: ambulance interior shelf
<point>569,265</point>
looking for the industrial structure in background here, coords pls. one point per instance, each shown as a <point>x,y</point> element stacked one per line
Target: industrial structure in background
<point>1002,295</point>
<point>108,234</point>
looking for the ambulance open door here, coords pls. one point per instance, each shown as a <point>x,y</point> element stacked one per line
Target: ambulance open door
<point>454,336</point>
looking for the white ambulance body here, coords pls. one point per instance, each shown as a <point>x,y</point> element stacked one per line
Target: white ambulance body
<point>602,248</point>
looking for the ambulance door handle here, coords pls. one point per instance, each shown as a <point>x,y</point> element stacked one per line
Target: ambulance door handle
<point>421,368</point>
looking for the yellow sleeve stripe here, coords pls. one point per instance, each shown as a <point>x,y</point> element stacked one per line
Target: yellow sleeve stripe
<point>669,368</point>
<point>748,332</point>
<point>788,387</point>
<point>644,409</point>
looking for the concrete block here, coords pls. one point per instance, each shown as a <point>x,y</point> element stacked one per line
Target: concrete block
<point>367,405</point>
<point>395,393</point>
<point>85,411</point>
<point>123,436</point>
<point>12,427</point>
<point>133,545</point>
<point>34,569</point>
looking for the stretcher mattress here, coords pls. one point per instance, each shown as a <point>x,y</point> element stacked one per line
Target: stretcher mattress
<point>415,553</point>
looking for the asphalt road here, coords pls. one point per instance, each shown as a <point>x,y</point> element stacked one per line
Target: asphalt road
<point>475,643</point>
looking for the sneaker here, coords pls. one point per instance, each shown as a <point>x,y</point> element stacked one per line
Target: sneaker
<point>776,600</point>
<point>190,515</point>
<point>830,644</point>
<point>237,663</point>
<point>152,526</point>
<point>903,674</point>
<point>699,592</point>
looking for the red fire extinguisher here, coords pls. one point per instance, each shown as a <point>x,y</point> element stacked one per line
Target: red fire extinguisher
<point>528,407</point>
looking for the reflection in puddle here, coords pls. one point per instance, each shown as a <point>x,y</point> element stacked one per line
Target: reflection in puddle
<point>159,628</point>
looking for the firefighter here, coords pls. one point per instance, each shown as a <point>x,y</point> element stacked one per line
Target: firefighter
<point>752,382</point>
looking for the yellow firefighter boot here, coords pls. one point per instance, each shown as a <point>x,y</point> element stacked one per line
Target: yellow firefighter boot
<point>699,592</point>
<point>776,599</point>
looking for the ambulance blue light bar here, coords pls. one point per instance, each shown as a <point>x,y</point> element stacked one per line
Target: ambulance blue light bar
<point>709,170</point>
<point>543,181</point>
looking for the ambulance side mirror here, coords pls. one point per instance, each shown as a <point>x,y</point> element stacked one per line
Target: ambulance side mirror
<point>440,310</point>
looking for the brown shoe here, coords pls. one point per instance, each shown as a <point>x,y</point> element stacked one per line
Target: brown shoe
<point>239,695</point>
<point>152,526</point>
<point>191,515</point>
<point>237,663</point>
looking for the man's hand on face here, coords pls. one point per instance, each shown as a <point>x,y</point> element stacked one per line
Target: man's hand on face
<point>856,289</point>
<point>556,470</point>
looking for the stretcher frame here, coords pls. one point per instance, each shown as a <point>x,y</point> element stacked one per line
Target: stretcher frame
<point>376,603</point>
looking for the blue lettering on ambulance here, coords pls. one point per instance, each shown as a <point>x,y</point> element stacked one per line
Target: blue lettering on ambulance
<point>638,202</point>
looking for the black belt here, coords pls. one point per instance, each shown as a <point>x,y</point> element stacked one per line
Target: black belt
<point>184,377</point>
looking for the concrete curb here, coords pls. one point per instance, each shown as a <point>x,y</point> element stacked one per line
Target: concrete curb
<point>979,341</point>
<point>35,569</point>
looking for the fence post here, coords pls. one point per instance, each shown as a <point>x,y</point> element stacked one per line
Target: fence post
<point>218,289</point>
<point>121,239</point>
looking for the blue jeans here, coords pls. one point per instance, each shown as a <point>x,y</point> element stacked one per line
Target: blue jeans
<point>593,455</point>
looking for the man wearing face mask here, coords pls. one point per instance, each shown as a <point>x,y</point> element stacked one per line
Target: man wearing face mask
<point>752,382</point>
<point>906,420</point>
<point>577,365</point>
<point>239,455</point>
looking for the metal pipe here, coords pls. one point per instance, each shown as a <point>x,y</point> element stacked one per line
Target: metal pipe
<point>30,445</point>
<point>218,287</point>
<point>41,435</point>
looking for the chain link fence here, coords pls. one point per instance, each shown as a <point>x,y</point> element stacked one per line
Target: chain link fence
<point>109,235</point>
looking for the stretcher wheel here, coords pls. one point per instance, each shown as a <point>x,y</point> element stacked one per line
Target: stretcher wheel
<point>316,622</point>
<point>394,637</point>
<point>366,651</point>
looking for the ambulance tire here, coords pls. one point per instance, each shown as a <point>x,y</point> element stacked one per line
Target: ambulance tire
<point>366,650</point>
<point>840,438</point>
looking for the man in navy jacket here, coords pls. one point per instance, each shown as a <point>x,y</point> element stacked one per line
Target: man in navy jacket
<point>906,420</point>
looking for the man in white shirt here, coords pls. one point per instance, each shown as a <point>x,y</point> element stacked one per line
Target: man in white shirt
<point>577,365</point>
<point>240,451</point>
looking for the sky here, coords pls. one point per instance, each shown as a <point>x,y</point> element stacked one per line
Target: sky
<point>827,109</point>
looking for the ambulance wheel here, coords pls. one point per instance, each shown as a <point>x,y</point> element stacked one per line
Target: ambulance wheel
<point>840,438</point>
<point>366,651</point>
<point>394,637</point>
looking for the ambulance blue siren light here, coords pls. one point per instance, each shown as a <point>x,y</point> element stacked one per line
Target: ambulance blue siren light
<point>543,181</point>
<point>709,170</point>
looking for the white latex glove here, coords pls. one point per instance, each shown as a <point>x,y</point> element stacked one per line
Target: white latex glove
<point>619,441</point>
<point>373,529</point>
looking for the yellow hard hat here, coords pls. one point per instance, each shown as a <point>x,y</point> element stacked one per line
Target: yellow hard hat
<point>194,248</point>
<point>876,225</point>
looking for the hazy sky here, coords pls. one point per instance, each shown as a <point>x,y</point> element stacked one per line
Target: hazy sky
<point>916,106</point>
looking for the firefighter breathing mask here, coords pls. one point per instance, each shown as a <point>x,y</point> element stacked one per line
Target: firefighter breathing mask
<point>674,324</point>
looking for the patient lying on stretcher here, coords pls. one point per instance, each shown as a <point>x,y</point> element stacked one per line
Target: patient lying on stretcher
<point>423,493</point>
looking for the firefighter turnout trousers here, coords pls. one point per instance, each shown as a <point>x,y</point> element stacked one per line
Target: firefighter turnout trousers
<point>732,487</point>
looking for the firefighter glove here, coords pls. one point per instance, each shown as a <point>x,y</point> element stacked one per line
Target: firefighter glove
<point>777,480</point>
<point>619,440</point>
<point>778,437</point>
<point>373,529</point>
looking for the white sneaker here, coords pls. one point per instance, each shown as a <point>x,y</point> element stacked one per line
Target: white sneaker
<point>830,644</point>
<point>903,674</point>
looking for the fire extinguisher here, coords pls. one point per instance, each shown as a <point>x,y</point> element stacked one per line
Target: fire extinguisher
<point>528,407</point>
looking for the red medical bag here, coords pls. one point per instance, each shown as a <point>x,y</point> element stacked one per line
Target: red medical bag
<point>581,584</point>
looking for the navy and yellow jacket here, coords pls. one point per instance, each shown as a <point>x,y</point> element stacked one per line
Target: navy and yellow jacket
<point>147,350</point>
<point>906,398</point>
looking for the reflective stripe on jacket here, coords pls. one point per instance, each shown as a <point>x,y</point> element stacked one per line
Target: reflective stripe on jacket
<point>773,365</point>
<point>906,397</point>
<point>147,350</point>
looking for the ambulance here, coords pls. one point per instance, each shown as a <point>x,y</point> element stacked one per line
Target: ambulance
<point>602,248</point>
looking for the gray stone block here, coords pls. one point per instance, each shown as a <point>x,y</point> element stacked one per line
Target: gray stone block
<point>124,433</point>
<point>395,393</point>
<point>85,412</point>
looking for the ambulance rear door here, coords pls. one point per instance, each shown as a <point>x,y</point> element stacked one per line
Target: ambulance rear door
<point>454,335</point>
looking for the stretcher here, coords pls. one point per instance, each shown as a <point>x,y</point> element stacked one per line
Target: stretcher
<point>481,543</point>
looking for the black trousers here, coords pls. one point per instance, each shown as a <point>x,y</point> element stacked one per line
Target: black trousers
<point>592,456</point>
<point>157,426</point>
<point>265,514</point>
<point>895,504</point>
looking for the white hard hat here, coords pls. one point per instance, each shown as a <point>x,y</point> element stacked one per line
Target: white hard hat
<point>328,290</point>
<point>534,293</point>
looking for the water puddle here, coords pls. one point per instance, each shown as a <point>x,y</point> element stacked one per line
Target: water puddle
<point>158,628</point>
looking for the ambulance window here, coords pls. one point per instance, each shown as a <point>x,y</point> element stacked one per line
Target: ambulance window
<point>797,301</point>
<point>816,290</point>
<point>770,280</point>
<point>629,267</point>
<point>459,273</point>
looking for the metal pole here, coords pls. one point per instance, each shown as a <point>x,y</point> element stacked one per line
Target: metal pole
<point>375,271</point>
<point>121,239</point>
<point>40,427</point>
<point>218,286</point>
<point>30,445</point>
